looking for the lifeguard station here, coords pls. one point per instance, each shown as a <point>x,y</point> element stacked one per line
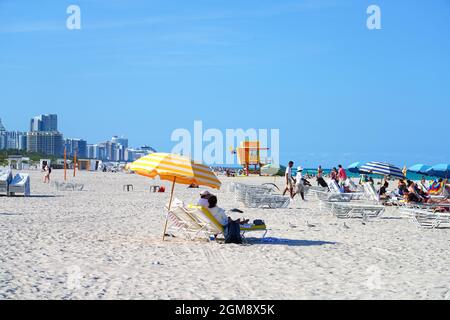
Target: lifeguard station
<point>249,154</point>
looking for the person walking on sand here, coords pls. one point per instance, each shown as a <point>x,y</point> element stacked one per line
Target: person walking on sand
<point>289,181</point>
<point>299,183</point>
<point>47,171</point>
<point>320,180</point>
<point>342,175</point>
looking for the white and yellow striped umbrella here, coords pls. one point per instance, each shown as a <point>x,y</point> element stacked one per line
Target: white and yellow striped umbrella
<point>175,168</point>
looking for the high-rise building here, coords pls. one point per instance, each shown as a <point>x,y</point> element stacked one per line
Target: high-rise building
<point>2,136</point>
<point>78,145</point>
<point>16,140</point>
<point>2,128</point>
<point>12,139</point>
<point>134,154</point>
<point>120,140</point>
<point>93,151</point>
<point>44,122</point>
<point>50,143</point>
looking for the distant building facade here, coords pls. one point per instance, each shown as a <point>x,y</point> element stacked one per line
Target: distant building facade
<point>44,122</point>
<point>134,154</point>
<point>12,139</point>
<point>92,151</point>
<point>50,143</point>
<point>78,145</point>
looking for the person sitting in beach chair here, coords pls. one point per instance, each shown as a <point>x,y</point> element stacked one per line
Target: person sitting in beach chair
<point>382,193</point>
<point>410,195</point>
<point>203,201</point>
<point>219,213</point>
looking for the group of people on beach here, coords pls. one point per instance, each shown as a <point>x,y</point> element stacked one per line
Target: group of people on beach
<point>407,190</point>
<point>415,192</point>
<point>296,185</point>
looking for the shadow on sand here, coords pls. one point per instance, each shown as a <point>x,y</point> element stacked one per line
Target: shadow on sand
<point>44,196</point>
<point>9,214</point>
<point>288,242</point>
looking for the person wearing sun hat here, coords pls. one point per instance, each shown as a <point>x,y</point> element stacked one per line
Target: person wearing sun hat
<point>204,196</point>
<point>299,186</point>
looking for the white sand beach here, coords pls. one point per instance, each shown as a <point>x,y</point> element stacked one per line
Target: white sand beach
<point>104,243</point>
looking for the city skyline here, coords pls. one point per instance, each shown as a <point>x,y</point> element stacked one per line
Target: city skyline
<point>44,137</point>
<point>336,90</point>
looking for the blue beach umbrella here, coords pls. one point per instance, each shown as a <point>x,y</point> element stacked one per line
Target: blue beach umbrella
<point>441,170</point>
<point>354,167</point>
<point>382,168</point>
<point>419,168</point>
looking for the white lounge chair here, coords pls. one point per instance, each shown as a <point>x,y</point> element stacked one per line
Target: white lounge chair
<point>370,193</point>
<point>427,219</point>
<point>353,187</point>
<point>334,188</point>
<point>356,210</point>
<point>259,196</point>
<point>5,180</point>
<point>331,196</point>
<point>20,184</point>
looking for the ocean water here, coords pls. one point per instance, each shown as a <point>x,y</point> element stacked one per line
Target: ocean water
<point>409,175</point>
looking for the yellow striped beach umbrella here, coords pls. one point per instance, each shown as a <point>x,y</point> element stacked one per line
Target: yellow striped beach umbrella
<point>177,169</point>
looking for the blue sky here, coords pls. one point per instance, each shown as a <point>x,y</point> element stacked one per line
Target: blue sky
<point>337,91</point>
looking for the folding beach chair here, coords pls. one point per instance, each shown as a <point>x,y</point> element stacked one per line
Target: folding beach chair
<point>213,227</point>
<point>182,221</point>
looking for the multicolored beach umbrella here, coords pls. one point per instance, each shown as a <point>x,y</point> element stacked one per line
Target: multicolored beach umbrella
<point>177,169</point>
<point>419,168</point>
<point>441,170</point>
<point>382,168</point>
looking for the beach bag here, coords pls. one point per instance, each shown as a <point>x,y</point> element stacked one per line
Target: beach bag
<point>232,232</point>
<point>258,222</point>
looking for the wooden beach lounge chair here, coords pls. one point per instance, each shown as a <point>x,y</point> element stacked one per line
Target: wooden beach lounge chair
<point>427,219</point>
<point>213,227</point>
<point>20,184</point>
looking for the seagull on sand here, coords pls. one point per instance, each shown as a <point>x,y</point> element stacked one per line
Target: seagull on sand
<point>309,225</point>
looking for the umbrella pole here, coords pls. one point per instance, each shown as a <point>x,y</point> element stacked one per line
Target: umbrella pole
<point>170,205</point>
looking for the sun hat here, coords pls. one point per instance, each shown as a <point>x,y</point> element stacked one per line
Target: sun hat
<point>205,193</point>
